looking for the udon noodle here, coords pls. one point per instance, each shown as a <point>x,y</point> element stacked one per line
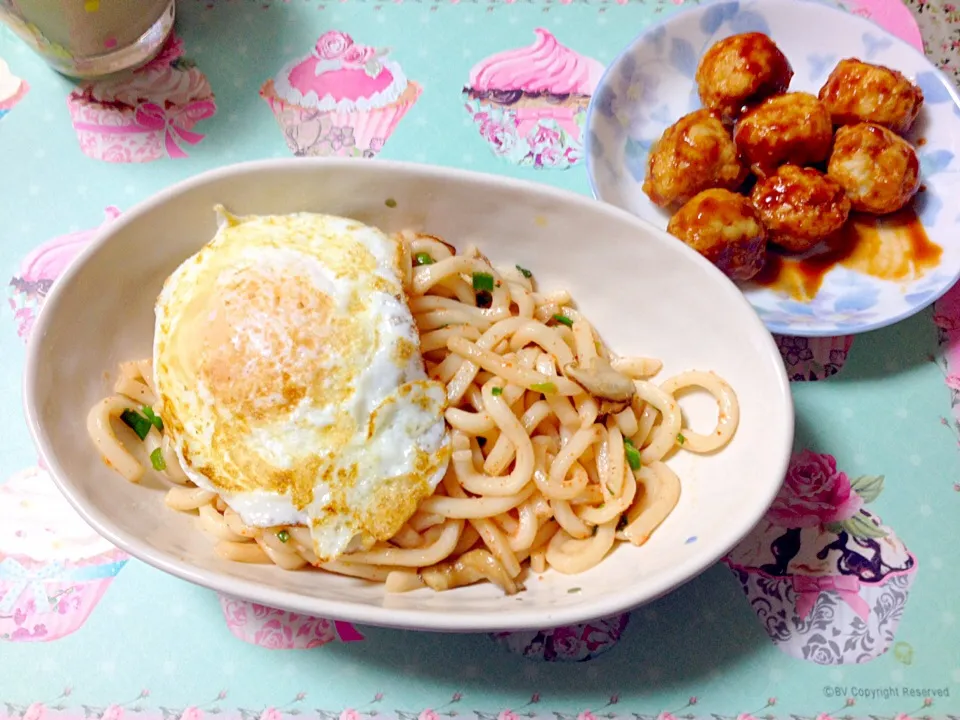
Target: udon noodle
<point>546,471</point>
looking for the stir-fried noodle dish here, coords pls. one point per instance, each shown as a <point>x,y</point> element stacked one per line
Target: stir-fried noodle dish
<point>323,395</point>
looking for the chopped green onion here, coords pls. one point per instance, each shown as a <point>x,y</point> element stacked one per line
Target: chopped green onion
<point>496,392</point>
<point>283,536</point>
<point>526,273</point>
<point>136,422</point>
<point>156,459</point>
<point>390,203</point>
<point>633,455</point>
<point>481,441</point>
<point>563,320</point>
<point>483,281</point>
<point>681,439</point>
<point>154,419</point>
<point>423,258</point>
<point>547,387</point>
<point>573,590</point>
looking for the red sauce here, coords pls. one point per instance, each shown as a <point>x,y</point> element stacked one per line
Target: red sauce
<point>893,247</point>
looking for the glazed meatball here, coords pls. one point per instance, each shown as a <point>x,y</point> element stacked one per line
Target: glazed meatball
<point>724,228</point>
<point>793,128</point>
<point>859,92</point>
<point>800,207</point>
<point>878,169</point>
<point>693,154</point>
<point>740,70</point>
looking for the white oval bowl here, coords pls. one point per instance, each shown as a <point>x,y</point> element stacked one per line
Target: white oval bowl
<point>645,292</point>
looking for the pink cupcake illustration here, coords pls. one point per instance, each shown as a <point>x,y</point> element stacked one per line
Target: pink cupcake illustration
<point>343,99</point>
<point>530,104</point>
<point>12,89</point>
<point>826,578</point>
<point>41,267</point>
<point>282,630</point>
<point>53,567</point>
<point>146,114</point>
<point>569,643</point>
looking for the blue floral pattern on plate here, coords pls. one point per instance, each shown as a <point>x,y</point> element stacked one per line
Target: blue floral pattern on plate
<point>651,84</point>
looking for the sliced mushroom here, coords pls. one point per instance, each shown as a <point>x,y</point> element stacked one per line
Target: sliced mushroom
<point>469,568</point>
<point>612,407</point>
<point>602,381</point>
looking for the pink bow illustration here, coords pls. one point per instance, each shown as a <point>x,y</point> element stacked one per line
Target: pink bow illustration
<point>808,589</point>
<point>151,116</point>
<point>527,119</point>
<point>347,632</point>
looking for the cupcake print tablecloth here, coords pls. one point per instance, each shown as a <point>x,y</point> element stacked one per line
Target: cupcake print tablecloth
<point>843,604</point>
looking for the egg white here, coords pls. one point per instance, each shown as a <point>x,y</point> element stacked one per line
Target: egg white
<point>291,382</point>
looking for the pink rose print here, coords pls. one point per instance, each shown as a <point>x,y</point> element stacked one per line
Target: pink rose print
<point>814,493</point>
<point>823,716</point>
<point>953,381</point>
<point>235,612</point>
<point>113,712</point>
<point>428,715</point>
<point>548,157</point>
<point>271,714</point>
<point>499,138</point>
<point>357,55</point>
<point>116,154</point>
<point>586,715</point>
<point>192,713</point>
<point>274,636</point>
<point>572,155</point>
<point>565,642</point>
<point>544,137</point>
<point>37,711</point>
<point>745,716</point>
<point>507,715</point>
<point>349,714</point>
<point>666,716</point>
<point>333,44</point>
<point>262,611</point>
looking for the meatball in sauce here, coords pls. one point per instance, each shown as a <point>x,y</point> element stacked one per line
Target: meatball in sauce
<point>859,92</point>
<point>800,207</point>
<point>877,168</point>
<point>724,228</point>
<point>794,128</point>
<point>740,70</point>
<point>693,154</point>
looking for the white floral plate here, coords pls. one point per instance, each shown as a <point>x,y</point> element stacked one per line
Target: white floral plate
<point>651,84</point>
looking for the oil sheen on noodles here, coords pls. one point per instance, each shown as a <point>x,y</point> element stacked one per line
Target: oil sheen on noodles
<point>558,445</point>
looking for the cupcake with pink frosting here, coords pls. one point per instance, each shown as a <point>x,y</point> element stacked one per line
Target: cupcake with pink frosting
<point>12,89</point>
<point>144,115</point>
<point>41,267</point>
<point>53,567</point>
<point>343,99</point>
<point>277,629</point>
<point>530,104</point>
<point>826,578</point>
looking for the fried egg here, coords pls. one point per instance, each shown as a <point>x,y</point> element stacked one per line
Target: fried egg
<point>291,382</point>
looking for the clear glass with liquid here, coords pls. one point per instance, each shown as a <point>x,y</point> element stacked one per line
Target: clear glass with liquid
<point>91,38</point>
